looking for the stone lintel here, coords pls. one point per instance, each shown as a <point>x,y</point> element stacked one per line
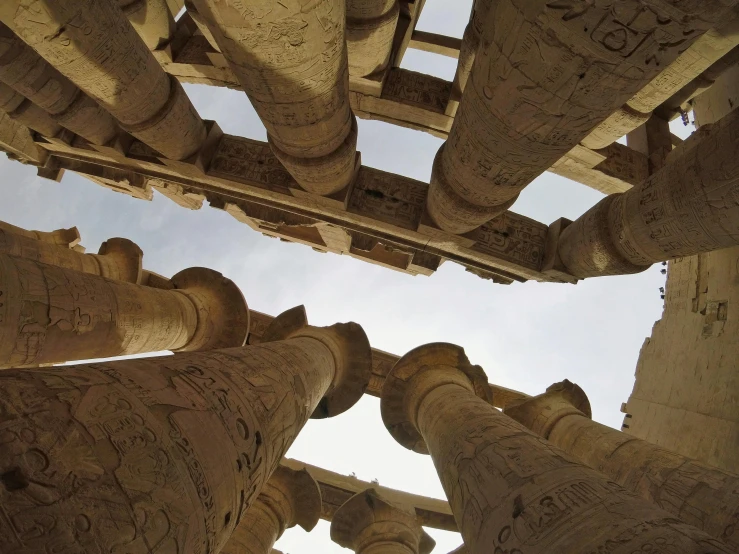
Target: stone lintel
<point>385,206</point>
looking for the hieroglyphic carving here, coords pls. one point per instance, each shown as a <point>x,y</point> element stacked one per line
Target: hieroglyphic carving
<point>623,163</point>
<point>512,237</point>
<point>156,455</point>
<point>417,89</point>
<point>250,162</point>
<point>370,29</point>
<point>387,197</point>
<point>508,488</point>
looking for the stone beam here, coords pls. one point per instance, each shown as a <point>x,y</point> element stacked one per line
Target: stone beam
<point>16,140</point>
<point>382,363</point>
<point>436,44</point>
<point>337,489</point>
<point>410,12</point>
<point>387,208</point>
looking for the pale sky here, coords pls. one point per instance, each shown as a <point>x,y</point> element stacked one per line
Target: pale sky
<point>525,336</point>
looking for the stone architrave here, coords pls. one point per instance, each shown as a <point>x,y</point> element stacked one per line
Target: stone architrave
<point>689,206</point>
<point>162,455</point>
<point>94,46</point>
<point>369,524</point>
<point>700,495</point>
<point>118,259</point>
<point>29,74</point>
<point>26,112</point>
<point>531,99</point>
<point>151,19</point>
<point>288,499</point>
<point>290,58</point>
<point>370,29</point>
<point>509,489</point>
<point>51,314</point>
<point>68,238</point>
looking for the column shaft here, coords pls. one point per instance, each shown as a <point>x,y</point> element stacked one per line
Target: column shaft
<point>510,489</point>
<point>50,314</point>
<point>93,45</point>
<point>150,455</point>
<point>118,259</point>
<point>257,532</point>
<point>370,29</point>
<point>26,112</point>
<point>688,207</point>
<point>470,44</point>
<point>698,494</point>
<point>545,74</point>
<point>291,60</point>
<point>33,77</point>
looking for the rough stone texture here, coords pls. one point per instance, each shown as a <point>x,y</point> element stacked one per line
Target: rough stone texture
<point>288,499</point>
<point>118,259</point>
<point>156,455</point>
<point>68,238</point>
<point>95,47</point>
<point>52,314</point>
<point>370,29</point>
<point>688,207</point>
<point>698,494</point>
<point>33,77</point>
<point>293,66</point>
<point>151,19</point>
<point>509,489</point>
<point>369,524</point>
<point>531,100</point>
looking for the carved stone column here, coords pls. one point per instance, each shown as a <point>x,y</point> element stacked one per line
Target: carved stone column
<point>687,207</point>
<point>509,489</point>
<point>50,314</point>
<point>162,454</point>
<point>151,19</point>
<point>33,77</point>
<point>291,60</point>
<point>26,112</point>
<point>370,29</point>
<point>532,98</point>
<point>118,258</point>
<point>369,524</point>
<point>93,45</point>
<point>699,495</point>
<point>288,499</point>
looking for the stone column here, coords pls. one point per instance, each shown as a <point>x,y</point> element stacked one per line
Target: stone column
<point>370,29</point>
<point>33,77</point>
<point>369,524</point>
<point>288,499</point>
<point>532,98</point>
<point>95,47</point>
<point>688,207</point>
<point>26,112</point>
<point>161,454</point>
<point>509,489</point>
<point>699,495</point>
<point>118,259</point>
<point>151,19</point>
<point>291,60</point>
<point>51,314</point>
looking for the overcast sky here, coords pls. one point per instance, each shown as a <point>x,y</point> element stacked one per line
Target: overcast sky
<point>525,336</point>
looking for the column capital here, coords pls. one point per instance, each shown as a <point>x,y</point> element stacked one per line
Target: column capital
<point>223,315</point>
<point>541,413</point>
<point>350,348</point>
<point>294,496</point>
<point>415,375</point>
<point>126,257</point>
<point>367,518</point>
